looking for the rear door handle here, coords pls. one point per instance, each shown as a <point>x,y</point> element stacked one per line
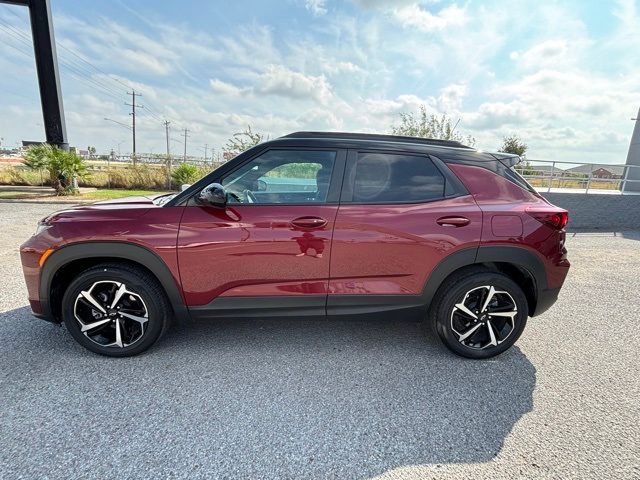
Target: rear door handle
<point>453,221</point>
<point>309,222</point>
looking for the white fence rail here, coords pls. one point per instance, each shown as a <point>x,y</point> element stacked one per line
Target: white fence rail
<point>550,175</point>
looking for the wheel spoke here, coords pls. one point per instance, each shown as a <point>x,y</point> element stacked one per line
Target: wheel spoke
<point>140,320</point>
<point>462,307</point>
<point>511,315</point>
<point>492,292</point>
<point>468,333</point>
<point>492,335</point>
<point>122,289</point>
<point>118,341</point>
<point>89,298</point>
<point>90,326</point>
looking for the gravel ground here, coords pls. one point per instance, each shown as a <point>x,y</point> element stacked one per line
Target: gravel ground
<point>330,398</point>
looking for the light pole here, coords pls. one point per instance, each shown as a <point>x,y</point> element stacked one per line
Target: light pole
<point>119,123</point>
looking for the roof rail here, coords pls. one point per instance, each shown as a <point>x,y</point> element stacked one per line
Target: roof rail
<point>377,137</point>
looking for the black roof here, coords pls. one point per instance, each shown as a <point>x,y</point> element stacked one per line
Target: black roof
<point>378,137</point>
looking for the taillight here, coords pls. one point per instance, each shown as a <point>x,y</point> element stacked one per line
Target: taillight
<point>556,219</point>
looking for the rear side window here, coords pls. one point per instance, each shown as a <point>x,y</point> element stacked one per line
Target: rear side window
<point>396,178</point>
<point>511,174</point>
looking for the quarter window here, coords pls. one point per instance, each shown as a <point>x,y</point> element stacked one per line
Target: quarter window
<point>396,178</point>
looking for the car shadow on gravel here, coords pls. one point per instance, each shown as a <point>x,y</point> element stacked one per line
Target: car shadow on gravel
<point>339,398</point>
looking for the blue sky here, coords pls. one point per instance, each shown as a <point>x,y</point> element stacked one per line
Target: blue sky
<point>561,74</point>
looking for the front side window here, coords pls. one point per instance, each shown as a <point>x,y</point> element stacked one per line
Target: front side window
<point>282,177</point>
<point>396,178</point>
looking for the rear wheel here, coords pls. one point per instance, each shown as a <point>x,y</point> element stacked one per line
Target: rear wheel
<point>115,310</point>
<point>479,314</point>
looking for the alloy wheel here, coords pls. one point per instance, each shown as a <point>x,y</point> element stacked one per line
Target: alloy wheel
<point>485,317</point>
<point>111,314</point>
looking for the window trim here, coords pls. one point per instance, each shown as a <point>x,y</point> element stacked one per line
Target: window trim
<point>349,178</point>
<point>335,182</point>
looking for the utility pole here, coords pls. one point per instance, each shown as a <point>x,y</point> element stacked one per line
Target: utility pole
<point>133,119</point>
<point>186,134</point>
<point>166,129</point>
<point>206,146</point>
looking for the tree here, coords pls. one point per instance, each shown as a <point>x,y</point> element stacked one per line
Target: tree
<point>420,124</point>
<point>61,165</point>
<point>513,144</point>
<point>241,141</point>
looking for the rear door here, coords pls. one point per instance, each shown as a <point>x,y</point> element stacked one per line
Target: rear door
<point>400,214</point>
<point>270,247</point>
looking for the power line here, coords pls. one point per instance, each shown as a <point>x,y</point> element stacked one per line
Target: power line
<point>73,69</point>
<point>82,72</point>
<point>75,54</point>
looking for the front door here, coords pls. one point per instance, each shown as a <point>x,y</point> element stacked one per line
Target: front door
<point>270,247</point>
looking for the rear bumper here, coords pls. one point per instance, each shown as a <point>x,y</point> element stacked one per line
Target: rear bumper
<point>546,298</point>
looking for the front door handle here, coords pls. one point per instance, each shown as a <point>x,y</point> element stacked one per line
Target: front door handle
<point>309,222</point>
<point>453,221</point>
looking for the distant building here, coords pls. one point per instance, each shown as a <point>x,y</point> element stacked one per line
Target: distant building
<point>600,172</point>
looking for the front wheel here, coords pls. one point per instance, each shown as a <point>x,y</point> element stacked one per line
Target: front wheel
<point>116,310</point>
<point>479,314</point>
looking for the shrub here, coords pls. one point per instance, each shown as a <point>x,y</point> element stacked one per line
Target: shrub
<point>61,165</point>
<point>185,173</point>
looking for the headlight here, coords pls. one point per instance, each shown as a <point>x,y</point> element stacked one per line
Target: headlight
<point>41,228</point>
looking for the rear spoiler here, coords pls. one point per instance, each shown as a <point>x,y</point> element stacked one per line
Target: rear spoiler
<point>507,159</point>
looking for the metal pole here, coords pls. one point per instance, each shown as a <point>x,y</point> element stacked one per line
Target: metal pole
<point>589,179</point>
<point>44,47</point>
<point>111,157</point>
<point>186,134</point>
<point>553,169</point>
<point>624,179</point>
<point>166,128</point>
<point>133,118</point>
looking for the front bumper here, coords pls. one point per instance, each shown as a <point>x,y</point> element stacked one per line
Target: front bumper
<point>31,252</point>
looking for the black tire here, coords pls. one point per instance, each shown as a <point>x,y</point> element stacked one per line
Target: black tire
<point>443,313</point>
<point>143,291</point>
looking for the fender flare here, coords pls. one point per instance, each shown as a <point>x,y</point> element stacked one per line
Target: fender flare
<point>118,250</point>
<point>515,255</point>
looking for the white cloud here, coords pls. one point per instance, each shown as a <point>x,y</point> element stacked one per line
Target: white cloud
<point>414,16</point>
<point>224,88</point>
<point>279,80</point>
<point>450,98</point>
<point>317,7</point>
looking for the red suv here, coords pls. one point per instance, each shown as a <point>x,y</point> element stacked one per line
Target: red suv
<point>310,224</point>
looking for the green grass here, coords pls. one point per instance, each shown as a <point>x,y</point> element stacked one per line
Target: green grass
<point>110,194</point>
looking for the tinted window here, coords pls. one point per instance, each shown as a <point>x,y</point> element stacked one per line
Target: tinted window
<point>382,177</point>
<point>282,176</point>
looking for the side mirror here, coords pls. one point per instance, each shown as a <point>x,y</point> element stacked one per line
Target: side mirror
<point>213,195</point>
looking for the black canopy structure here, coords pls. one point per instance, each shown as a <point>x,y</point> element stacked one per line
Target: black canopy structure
<point>44,46</point>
